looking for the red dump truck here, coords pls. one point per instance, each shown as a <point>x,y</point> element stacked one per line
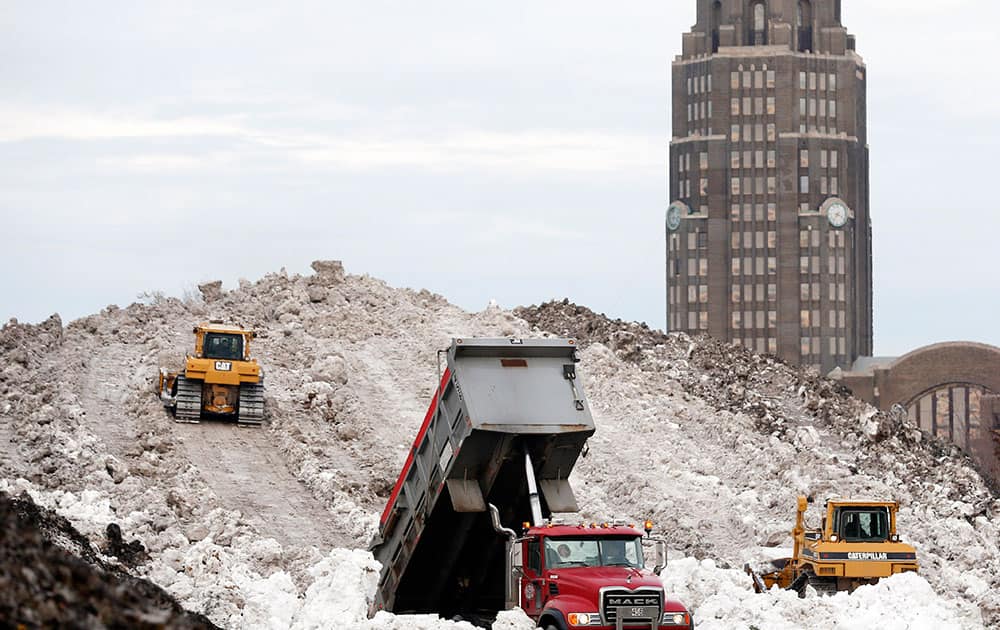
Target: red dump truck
<point>468,528</point>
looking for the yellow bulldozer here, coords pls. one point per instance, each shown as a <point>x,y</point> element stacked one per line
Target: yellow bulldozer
<point>218,380</point>
<point>856,544</point>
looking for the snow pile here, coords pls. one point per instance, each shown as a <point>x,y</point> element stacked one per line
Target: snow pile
<point>51,576</point>
<point>723,600</point>
<point>327,602</point>
<point>225,581</point>
<point>262,528</point>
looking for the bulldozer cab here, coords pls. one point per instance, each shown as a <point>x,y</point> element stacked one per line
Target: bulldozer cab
<point>214,341</point>
<point>223,346</point>
<point>863,524</point>
<point>859,522</point>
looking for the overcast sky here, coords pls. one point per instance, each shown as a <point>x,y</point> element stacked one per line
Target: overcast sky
<point>507,150</point>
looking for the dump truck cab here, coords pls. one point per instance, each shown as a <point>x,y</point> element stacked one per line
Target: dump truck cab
<point>857,543</point>
<point>593,576</point>
<point>220,378</point>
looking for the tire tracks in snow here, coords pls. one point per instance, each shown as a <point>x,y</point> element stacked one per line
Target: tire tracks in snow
<point>242,468</point>
<point>247,473</point>
<point>104,399</point>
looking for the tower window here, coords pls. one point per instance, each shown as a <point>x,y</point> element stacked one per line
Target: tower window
<point>804,24</point>
<point>758,37</point>
<point>716,21</point>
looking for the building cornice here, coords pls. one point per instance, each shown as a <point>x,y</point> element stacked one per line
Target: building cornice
<point>792,135</point>
<point>750,52</point>
<point>718,137</point>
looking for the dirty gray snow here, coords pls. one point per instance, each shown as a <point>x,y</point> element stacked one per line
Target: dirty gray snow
<point>268,528</point>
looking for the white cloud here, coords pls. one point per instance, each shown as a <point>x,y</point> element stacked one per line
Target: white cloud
<point>527,151</point>
<point>515,151</point>
<point>19,124</point>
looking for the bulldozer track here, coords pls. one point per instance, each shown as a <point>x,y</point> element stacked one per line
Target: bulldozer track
<point>246,473</point>
<point>251,409</point>
<point>188,400</point>
<point>824,586</point>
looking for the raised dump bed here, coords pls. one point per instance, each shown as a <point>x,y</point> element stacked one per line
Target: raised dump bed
<point>498,400</point>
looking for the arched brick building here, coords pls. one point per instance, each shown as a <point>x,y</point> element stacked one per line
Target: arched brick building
<point>951,390</point>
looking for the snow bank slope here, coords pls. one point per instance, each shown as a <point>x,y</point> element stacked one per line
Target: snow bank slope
<point>712,442</point>
<point>349,365</point>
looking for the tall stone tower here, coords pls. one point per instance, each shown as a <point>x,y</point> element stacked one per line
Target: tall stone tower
<point>768,230</point>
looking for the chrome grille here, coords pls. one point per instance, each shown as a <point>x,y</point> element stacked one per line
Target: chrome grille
<point>612,600</point>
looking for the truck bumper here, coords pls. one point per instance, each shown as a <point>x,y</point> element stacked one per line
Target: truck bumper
<point>640,626</point>
<point>632,626</point>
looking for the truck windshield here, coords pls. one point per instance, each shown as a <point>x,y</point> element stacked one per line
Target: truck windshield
<point>593,552</point>
<point>219,346</point>
<point>864,524</point>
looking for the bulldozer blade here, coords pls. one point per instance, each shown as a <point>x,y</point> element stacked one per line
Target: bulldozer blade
<point>758,582</point>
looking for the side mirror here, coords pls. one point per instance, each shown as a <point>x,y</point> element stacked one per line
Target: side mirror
<point>660,551</point>
<point>516,557</point>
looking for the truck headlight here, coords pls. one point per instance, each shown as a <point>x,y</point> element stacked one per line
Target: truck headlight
<point>583,619</point>
<point>676,618</point>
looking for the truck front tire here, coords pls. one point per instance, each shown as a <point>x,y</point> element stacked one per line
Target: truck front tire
<point>551,621</point>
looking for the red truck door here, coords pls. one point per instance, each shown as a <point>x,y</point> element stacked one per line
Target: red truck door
<point>532,584</point>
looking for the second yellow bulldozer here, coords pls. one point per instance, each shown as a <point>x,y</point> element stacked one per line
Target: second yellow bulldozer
<point>857,544</point>
<point>219,379</point>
